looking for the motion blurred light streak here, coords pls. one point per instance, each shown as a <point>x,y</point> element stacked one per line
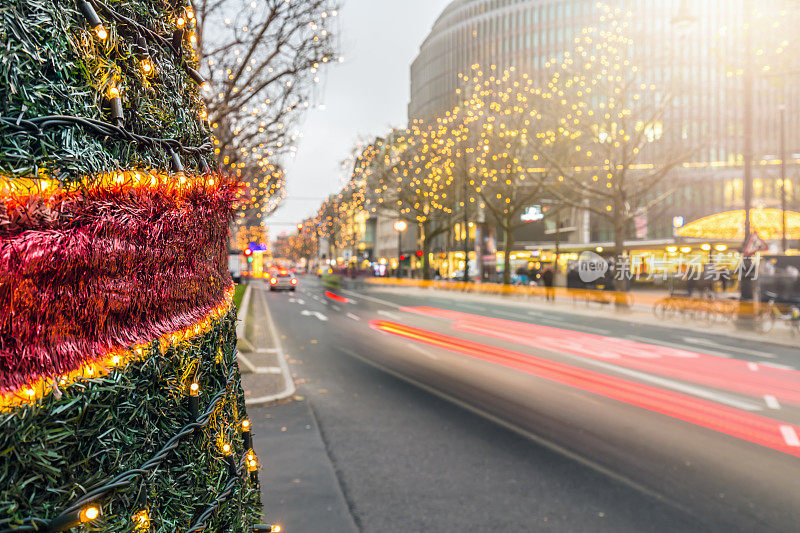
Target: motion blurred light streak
<point>734,422</point>
<point>728,374</point>
<point>336,297</point>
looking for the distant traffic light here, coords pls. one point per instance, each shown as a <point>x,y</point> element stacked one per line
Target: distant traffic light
<point>419,253</point>
<point>248,252</point>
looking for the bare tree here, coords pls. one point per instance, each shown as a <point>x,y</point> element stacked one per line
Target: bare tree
<point>411,178</point>
<point>601,129</point>
<point>496,115</point>
<point>262,60</point>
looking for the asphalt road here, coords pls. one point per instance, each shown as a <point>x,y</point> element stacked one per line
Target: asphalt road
<point>441,413</point>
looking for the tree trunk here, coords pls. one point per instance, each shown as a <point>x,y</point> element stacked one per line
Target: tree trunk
<point>426,248</point>
<point>620,274</point>
<point>620,230</point>
<point>509,243</point>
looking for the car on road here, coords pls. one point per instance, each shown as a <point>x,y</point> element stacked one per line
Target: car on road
<point>282,280</point>
<point>321,271</point>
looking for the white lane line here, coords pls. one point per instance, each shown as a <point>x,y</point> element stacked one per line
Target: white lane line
<point>474,307</point>
<point>771,401</point>
<point>790,436</point>
<point>672,384</point>
<point>371,299</point>
<point>317,314</point>
<point>578,328</point>
<point>266,350</point>
<point>714,344</point>
<point>778,365</point>
<point>753,366</point>
<point>269,370</point>
<point>584,329</point>
<point>659,342</point>
<point>389,315</point>
<point>424,352</point>
<point>353,317</point>
<point>336,307</point>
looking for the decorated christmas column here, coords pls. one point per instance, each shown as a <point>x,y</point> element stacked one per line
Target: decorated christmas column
<point>121,407</point>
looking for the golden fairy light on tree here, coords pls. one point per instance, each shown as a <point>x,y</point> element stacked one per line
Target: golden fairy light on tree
<point>602,130</point>
<point>412,179</point>
<point>262,60</point>
<point>501,166</point>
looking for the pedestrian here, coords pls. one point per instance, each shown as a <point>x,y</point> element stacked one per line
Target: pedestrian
<point>548,278</point>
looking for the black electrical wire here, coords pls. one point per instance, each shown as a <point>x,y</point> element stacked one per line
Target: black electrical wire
<point>150,36</point>
<point>35,126</point>
<point>200,522</point>
<point>127,478</point>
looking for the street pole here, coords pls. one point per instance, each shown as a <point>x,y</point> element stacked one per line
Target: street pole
<point>783,179</point>
<point>465,240</point>
<point>399,252</point>
<point>746,283</point>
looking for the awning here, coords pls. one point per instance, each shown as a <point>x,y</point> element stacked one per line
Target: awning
<point>730,225</point>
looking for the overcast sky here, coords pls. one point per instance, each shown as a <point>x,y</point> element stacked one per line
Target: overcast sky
<point>363,97</point>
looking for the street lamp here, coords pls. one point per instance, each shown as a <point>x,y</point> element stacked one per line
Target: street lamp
<point>783,178</point>
<point>399,226</point>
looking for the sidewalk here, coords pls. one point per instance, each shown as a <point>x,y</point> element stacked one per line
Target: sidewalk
<point>299,487</point>
<point>567,302</point>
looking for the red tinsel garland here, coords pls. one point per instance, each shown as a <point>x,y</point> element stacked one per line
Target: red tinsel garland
<point>84,273</point>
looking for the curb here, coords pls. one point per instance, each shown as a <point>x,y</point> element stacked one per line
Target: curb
<point>290,388</point>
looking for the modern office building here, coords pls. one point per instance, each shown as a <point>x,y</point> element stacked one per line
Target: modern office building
<point>692,49</point>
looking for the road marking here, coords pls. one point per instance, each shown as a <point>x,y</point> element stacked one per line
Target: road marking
<point>269,370</point>
<point>714,344</point>
<point>266,350</point>
<point>424,352</point>
<point>246,362</point>
<point>669,383</point>
<point>771,401</point>
<point>790,436</point>
<point>778,365</point>
<point>753,366</point>
<point>659,342</point>
<point>371,299</point>
<point>353,317</point>
<point>390,315</point>
<point>336,308</point>
<point>317,314</point>
<point>569,325</point>
<point>470,306</point>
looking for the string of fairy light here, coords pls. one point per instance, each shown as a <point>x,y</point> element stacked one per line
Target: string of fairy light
<point>244,106</point>
<point>89,508</point>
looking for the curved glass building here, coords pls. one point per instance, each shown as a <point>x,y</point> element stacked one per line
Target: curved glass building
<point>687,48</point>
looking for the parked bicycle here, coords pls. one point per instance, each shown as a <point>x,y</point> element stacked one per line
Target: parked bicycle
<point>771,312</point>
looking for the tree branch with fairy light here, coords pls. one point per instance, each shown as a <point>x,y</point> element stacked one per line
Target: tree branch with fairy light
<point>263,60</point>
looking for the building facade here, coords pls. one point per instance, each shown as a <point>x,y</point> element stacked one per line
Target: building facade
<point>687,49</point>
